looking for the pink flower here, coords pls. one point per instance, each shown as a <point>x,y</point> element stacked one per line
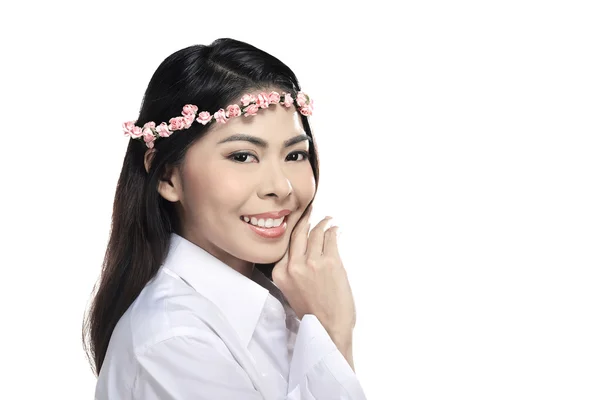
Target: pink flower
<point>149,124</point>
<point>262,100</point>
<point>189,119</point>
<point>252,109</point>
<point>189,109</point>
<point>274,98</point>
<point>128,127</point>
<point>136,132</point>
<point>147,132</point>
<point>204,117</point>
<point>177,123</point>
<point>148,135</point>
<point>220,116</point>
<point>307,109</point>
<point>247,99</point>
<point>288,100</point>
<point>233,111</point>
<point>163,130</point>
<point>149,142</point>
<point>301,99</point>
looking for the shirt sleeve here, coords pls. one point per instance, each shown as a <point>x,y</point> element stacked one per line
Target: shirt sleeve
<point>197,365</point>
<point>318,370</point>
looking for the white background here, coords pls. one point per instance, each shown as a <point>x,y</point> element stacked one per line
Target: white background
<point>460,156</point>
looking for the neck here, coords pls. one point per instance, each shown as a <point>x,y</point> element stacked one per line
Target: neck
<point>243,267</point>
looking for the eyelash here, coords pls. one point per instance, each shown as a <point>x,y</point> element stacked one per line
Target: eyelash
<point>242,153</point>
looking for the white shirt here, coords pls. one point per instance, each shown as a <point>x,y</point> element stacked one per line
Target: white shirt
<point>201,330</point>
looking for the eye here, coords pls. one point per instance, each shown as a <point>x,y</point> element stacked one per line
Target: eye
<point>294,156</point>
<point>242,157</point>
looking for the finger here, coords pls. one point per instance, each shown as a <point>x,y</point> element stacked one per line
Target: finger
<point>330,244</point>
<point>315,239</point>
<point>298,242</point>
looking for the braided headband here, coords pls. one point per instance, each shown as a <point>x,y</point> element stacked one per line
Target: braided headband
<point>250,104</point>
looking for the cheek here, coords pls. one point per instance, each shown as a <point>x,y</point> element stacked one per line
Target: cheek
<point>303,183</point>
<point>207,192</point>
<point>227,188</point>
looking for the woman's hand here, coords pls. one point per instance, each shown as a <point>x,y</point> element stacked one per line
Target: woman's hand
<point>314,281</point>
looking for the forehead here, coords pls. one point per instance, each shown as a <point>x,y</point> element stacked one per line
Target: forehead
<point>275,123</point>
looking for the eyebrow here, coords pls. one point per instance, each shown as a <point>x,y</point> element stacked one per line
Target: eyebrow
<point>261,142</point>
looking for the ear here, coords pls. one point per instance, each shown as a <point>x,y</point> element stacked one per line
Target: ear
<point>148,157</point>
<point>169,184</point>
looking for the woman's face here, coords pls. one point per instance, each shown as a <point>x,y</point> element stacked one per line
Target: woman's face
<point>243,168</point>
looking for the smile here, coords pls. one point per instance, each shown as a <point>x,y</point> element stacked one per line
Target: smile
<point>268,228</point>
<point>263,222</point>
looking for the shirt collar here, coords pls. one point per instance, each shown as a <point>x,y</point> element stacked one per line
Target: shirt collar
<point>240,299</point>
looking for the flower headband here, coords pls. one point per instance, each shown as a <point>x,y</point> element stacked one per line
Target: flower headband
<point>250,104</point>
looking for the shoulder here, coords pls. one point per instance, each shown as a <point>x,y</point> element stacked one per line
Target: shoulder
<point>166,308</point>
<point>169,322</point>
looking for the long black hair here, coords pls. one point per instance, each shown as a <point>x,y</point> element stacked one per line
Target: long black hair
<point>210,77</point>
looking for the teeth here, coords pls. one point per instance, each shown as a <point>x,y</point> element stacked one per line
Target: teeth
<point>264,223</point>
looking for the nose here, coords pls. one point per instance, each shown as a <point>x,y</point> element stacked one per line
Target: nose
<point>275,182</point>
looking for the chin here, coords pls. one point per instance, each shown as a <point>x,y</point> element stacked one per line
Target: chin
<point>266,257</point>
<point>266,260</point>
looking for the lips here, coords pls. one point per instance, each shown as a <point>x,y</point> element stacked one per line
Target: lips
<point>269,233</point>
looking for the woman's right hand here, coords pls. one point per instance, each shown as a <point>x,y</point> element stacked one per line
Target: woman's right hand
<point>314,281</point>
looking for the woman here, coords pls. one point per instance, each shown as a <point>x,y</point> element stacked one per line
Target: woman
<point>213,285</point>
